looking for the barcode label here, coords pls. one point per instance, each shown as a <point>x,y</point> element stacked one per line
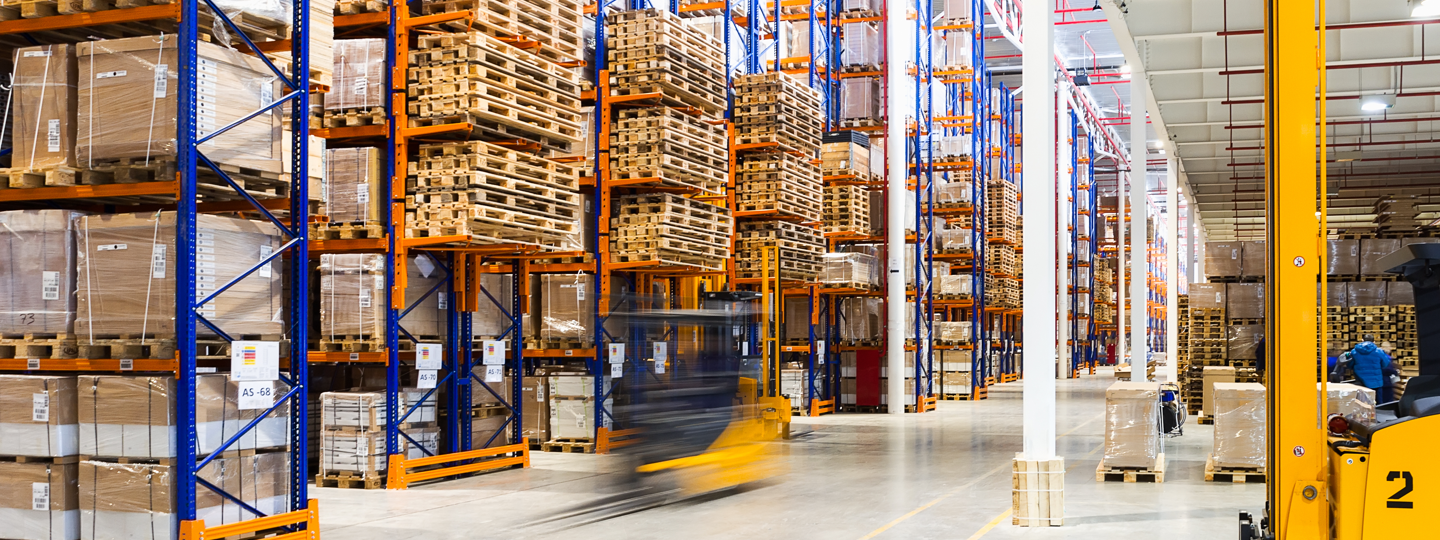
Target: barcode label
<point>39,496</point>
<point>362,193</point>
<point>157,261</point>
<point>49,285</point>
<point>110,247</point>
<point>52,136</point>
<point>110,74</point>
<point>440,300</point>
<point>264,270</point>
<point>32,364</point>
<point>33,54</point>
<point>360,86</point>
<point>127,364</point>
<point>40,407</point>
<point>364,298</point>
<point>162,80</point>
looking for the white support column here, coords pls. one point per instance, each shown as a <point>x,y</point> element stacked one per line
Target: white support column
<point>897,171</point>
<point>1172,268</point>
<point>1197,244</point>
<point>1122,204</point>
<point>1039,234</point>
<point>1064,149</point>
<point>1139,214</point>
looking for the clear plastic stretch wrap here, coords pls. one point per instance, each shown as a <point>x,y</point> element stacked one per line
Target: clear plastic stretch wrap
<point>126,275</point>
<point>123,416</point>
<point>128,104</point>
<point>359,75</point>
<point>1372,250</point>
<point>567,310</point>
<point>1245,300</point>
<point>797,320</point>
<point>860,99</point>
<point>799,43</point>
<point>352,295</point>
<point>1239,425</point>
<point>860,319</point>
<point>1242,340</point>
<point>37,271</point>
<point>958,9</point>
<point>952,146</point>
<point>959,49</point>
<point>37,416</point>
<point>40,501</point>
<point>275,10</point>
<point>857,268</point>
<point>957,284</point>
<point>954,192</point>
<point>136,501</point>
<point>1399,293</point>
<point>1352,401</point>
<point>953,331</point>
<point>956,239</point>
<point>490,319</point>
<point>1342,257</point>
<point>862,44</point>
<point>427,319</point>
<point>43,107</point>
<point>1132,438</point>
<point>355,187</point>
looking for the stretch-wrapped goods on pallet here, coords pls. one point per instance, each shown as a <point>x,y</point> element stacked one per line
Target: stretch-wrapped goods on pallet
<point>1372,250</point>
<point>860,100</point>
<point>136,501</point>
<point>43,109</point>
<point>566,314</point>
<point>40,501</point>
<point>1242,340</point>
<point>1131,436</point>
<point>38,416</point>
<point>860,319</point>
<point>861,45</point>
<point>353,301</point>
<point>127,266</point>
<point>1365,293</point>
<point>1351,401</point>
<point>359,75</point>
<point>851,268</point>
<point>123,416</point>
<point>1239,425</point>
<point>355,186</point>
<point>129,104</point>
<point>37,272</point>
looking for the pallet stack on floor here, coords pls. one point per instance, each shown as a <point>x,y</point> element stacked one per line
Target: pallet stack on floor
<point>673,142</point>
<point>777,121</point>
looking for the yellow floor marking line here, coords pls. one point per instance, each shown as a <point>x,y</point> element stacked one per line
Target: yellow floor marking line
<point>992,524</point>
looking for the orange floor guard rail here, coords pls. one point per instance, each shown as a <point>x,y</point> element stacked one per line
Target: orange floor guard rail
<point>401,476</point>
<point>309,517</point>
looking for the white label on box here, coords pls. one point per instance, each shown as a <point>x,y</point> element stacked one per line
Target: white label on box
<point>162,80</point>
<point>617,353</point>
<point>110,74</point>
<point>32,363</point>
<point>110,247</point>
<point>441,301</point>
<point>49,285</point>
<point>35,54</point>
<point>364,298</point>
<point>265,252</point>
<point>426,378</point>
<point>362,196</point>
<point>427,356</point>
<point>660,351</point>
<point>617,370</point>
<point>493,353</point>
<point>267,94</point>
<point>40,407</point>
<point>52,135</point>
<point>39,496</point>
<point>256,395</point>
<point>255,360</point>
<point>580,293</point>
<point>127,364</point>
<point>157,261</point>
<point>494,374</point>
<point>659,367</point>
<point>820,352</point>
<point>359,86</point>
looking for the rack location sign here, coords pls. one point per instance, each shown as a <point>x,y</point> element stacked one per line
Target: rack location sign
<point>617,353</point>
<point>493,353</point>
<point>427,356</point>
<point>255,360</point>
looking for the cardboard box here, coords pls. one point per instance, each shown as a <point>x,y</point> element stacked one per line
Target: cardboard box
<point>1207,295</point>
<point>352,295</point>
<point>1399,293</point>
<point>1244,301</point>
<point>797,320</point>
<point>1372,250</point>
<point>1365,293</point>
<point>355,185</point>
<point>1242,340</point>
<point>136,501</point>
<point>129,264</point>
<point>1132,438</point>
<point>360,411</point>
<point>1224,258</point>
<point>572,418</point>
<point>1211,376</point>
<point>37,271</point>
<point>1350,400</point>
<point>490,319</point>
<point>359,75</point>
<point>1239,425</point>
<point>40,501</point>
<point>535,409</point>
<point>482,428</point>
<point>1253,255</point>
<point>134,416</point>
<point>1337,294</point>
<point>43,107</point>
<point>128,108</point>
<point>1342,257</point>
<point>428,318</point>
<point>38,416</point>
<point>360,452</point>
<point>567,311</point>
<point>571,386</point>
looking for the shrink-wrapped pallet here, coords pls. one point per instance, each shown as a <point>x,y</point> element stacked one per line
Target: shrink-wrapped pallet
<point>38,416</point>
<point>953,331</point>
<point>1243,340</point>
<point>860,100</point>
<point>851,269</point>
<point>1132,438</point>
<point>567,309</point>
<point>40,501</point>
<point>359,75</point>
<point>43,108</point>
<point>355,184</point>
<point>37,272</point>
<point>136,501</point>
<point>861,46</point>
<point>1342,257</point>
<point>1351,401</point>
<point>127,267</point>
<point>1239,425</point>
<point>123,416</point>
<point>353,300</point>
<point>860,319</point>
<point>129,104</point>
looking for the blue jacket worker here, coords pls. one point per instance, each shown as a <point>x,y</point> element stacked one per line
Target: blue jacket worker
<point>1372,367</point>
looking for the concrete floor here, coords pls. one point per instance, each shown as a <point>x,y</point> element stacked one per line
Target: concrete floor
<point>852,476</point>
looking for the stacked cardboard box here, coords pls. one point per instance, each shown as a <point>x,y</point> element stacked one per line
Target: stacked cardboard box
<point>845,155</point>
<point>1239,425</point>
<point>355,194</point>
<point>43,117</point>
<point>572,407</point>
<point>37,272</point>
<point>135,500</point>
<point>40,501</point>
<point>360,75</point>
<point>352,434</point>
<point>38,416</point>
<point>1132,439</point>
<point>1224,258</point>
<point>353,301</point>
<point>122,416</point>
<point>853,270</point>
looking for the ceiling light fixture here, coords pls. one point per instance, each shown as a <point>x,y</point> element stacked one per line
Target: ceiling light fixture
<point>1424,8</point>
<point>1380,102</point>
<point>1125,69</point>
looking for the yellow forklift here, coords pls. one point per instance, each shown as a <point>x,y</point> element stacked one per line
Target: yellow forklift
<point>1331,478</point>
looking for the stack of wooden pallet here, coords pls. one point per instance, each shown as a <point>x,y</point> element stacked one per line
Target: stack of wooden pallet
<point>801,250</point>
<point>1406,353</point>
<point>503,91</point>
<point>1182,347</point>
<point>1208,345</point>
<point>847,210</point>
<point>845,156</point>
<point>652,51</point>
<point>1002,212</point>
<point>550,29</point>
<point>779,185</point>
<point>671,230</point>
<point>774,108</point>
<point>668,147</point>
<point>492,194</point>
<point>1001,259</point>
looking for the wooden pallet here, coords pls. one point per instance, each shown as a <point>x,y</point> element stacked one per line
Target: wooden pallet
<point>1237,475</point>
<point>58,460</point>
<point>342,118</point>
<point>52,176</point>
<point>45,346</point>
<point>352,344</point>
<point>345,480</point>
<point>1155,474</point>
<point>571,446</point>
<point>542,344</point>
<point>353,7</point>
<point>346,230</point>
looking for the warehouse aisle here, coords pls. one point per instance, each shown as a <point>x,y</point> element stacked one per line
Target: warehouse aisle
<point>945,476</point>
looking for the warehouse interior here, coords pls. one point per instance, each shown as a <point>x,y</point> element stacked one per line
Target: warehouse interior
<point>764,268</point>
